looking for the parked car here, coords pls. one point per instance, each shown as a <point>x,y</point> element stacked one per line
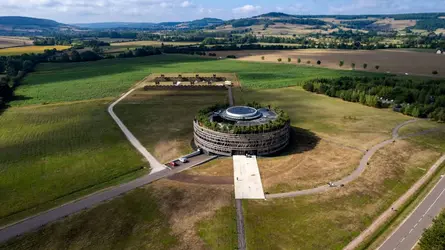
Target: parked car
<point>173,164</point>
<point>183,160</point>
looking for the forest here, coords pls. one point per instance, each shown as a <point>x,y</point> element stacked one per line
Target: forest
<point>418,98</point>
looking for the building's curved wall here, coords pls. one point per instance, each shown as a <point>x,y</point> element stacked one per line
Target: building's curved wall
<point>229,144</point>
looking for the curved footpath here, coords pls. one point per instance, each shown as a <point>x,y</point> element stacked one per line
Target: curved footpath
<point>155,165</point>
<point>355,174</point>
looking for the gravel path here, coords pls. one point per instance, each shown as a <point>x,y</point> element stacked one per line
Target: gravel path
<point>240,225</point>
<point>155,165</point>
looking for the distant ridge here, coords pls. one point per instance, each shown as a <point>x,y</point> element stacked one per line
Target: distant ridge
<point>22,21</point>
<point>200,23</point>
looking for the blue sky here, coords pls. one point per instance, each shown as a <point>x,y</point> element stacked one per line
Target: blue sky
<point>81,11</point>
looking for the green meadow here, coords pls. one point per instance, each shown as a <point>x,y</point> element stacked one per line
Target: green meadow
<point>60,82</point>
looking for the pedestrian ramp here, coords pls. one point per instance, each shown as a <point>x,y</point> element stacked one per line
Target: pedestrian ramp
<point>247,178</point>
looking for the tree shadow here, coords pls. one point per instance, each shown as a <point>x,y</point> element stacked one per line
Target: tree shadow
<point>21,98</point>
<point>301,140</point>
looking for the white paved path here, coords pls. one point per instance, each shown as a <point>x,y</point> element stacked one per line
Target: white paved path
<point>247,178</point>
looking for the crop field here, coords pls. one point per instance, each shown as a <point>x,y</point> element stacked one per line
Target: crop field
<point>120,47</point>
<point>392,61</point>
<point>109,78</point>
<point>13,41</point>
<point>29,49</point>
<point>51,154</point>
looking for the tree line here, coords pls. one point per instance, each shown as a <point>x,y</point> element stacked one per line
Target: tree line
<point>414,98</point>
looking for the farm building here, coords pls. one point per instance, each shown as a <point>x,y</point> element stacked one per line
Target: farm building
<point>240,130</point>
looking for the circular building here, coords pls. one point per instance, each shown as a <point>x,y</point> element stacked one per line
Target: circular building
<point>240,130</point>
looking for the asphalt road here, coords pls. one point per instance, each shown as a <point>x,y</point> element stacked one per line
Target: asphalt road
<point>409,232</point>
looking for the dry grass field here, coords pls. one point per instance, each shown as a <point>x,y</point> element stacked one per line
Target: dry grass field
<point>393,61</point>
<point>328,141</point>
<point>29,49</point>
<point>330,220</point>
<point>13,41</point>
<point>397,24</point>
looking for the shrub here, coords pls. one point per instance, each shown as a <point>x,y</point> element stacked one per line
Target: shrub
<point>353,65</point>
<point>262,58</point>
<point>279,59</point>
<point>308,62</point>
<point>289,59</point>
<point>365,65</point>
<point>341,63</point>
<point>435,72</point>
<point>377,67</point>
<point>231,56</point>
<point>299,60</point>
<point>318,62</point>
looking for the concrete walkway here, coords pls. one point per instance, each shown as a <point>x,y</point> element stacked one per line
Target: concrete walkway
<point>155,165</point>
<point>356,173</point>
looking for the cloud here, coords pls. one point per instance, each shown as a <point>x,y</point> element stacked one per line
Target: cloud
<point>383,6</point>
<point>74,11</point>
<point>186,4</point>
<point>246,9</point>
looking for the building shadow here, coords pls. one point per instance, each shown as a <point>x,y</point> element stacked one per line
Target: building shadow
<point>301,140</point>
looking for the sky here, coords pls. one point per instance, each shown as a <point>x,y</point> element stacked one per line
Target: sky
<point>86,11</point>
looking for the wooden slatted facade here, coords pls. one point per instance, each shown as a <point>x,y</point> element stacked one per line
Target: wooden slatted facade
<point>238,144</point>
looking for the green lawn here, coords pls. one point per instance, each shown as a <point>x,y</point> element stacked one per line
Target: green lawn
<point>127,222</point>
<point>58,82</point>
<point>53,153</point>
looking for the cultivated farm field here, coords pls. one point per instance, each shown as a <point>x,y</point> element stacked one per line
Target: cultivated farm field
<point>29,49</point>
<point>120,47</point>
<point>108,78</point>
<point>51,154</point>
<point>393,61</point>
<point>13,41</point>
